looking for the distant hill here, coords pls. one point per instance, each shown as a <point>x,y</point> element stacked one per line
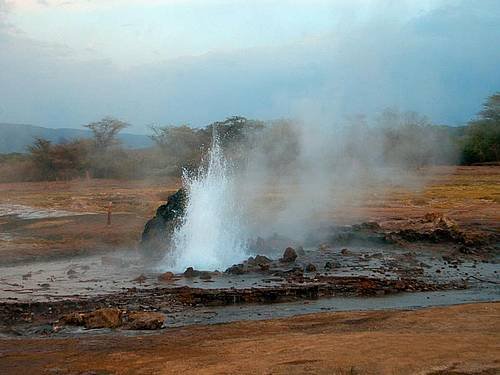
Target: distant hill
<point>16,137</point>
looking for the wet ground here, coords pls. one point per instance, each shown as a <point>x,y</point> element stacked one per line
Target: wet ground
<point>358,277</point>
<point>95,275</point>
<point>402,263</point>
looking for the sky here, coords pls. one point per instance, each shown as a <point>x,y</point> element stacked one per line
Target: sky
<point>165,62</point>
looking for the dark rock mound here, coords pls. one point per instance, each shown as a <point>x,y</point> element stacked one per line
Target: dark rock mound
<point>159,229</point>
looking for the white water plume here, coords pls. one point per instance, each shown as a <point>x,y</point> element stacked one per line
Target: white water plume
<point>211,235</point>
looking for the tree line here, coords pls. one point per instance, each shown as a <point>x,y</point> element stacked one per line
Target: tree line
<point>406,138</point>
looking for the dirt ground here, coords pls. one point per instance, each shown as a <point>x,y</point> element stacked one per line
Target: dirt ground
<point>468,195</point>
<point>462,339</point>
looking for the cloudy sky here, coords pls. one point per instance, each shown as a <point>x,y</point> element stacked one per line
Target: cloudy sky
<point>64,63</point>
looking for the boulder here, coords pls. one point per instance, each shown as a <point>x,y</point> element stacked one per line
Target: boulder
<point>289,255</point>
<point>144,320</point>
<point>103,318</point>
<point>158,230</point>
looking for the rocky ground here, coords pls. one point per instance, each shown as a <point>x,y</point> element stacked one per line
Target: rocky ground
<point>66,276</point>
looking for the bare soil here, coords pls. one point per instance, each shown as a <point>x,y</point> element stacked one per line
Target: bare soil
<point>468,195</point>
<point>461,339</point>
<point>449,340</point>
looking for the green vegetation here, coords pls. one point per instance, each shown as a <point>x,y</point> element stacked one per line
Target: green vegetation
<point>482,140</point>
<point>400,138</point>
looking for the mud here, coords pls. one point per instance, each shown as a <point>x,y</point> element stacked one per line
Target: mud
<point>34,297</point>
<point>56,261</point>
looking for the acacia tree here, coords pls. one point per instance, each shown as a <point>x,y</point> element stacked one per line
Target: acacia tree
<point>106,131</point>
<point>106,159</point>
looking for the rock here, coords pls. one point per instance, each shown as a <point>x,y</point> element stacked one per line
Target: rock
<point>344,251</point>
<point>264,267</point>
<point>289,255</point>
<point>166,277</point>
<point>103,318</point>
<point>73,319</point>
<point>261,259</point>
<point>190,272</point>
<point>144,320</point>
<point>236,269</point>
<point>310,268</point>
<point>158,230</point>
<point>259,263</point>
<point>27,276</point>
<point>140,279</point>
<point>300,251</point>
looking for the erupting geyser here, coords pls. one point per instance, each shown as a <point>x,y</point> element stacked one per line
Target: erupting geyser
<point>211,233</point>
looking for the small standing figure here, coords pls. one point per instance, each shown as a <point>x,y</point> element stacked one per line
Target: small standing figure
<point>109,212</point>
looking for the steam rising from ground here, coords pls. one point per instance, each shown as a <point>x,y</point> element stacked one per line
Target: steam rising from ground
<point>291,177</point>
<point>211,235</point>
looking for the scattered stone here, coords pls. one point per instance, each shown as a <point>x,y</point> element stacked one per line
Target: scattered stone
<point>144,320</point>
<point>71,272</point>
<point>323,247</point>
<point>344,251</point>
<point>27,276</point>
<point>310,268</point>
<point>264,267</point>
<point>236,269</point>
<point>166,277</point>
<point>289,255</point>
<point>261,259</point>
